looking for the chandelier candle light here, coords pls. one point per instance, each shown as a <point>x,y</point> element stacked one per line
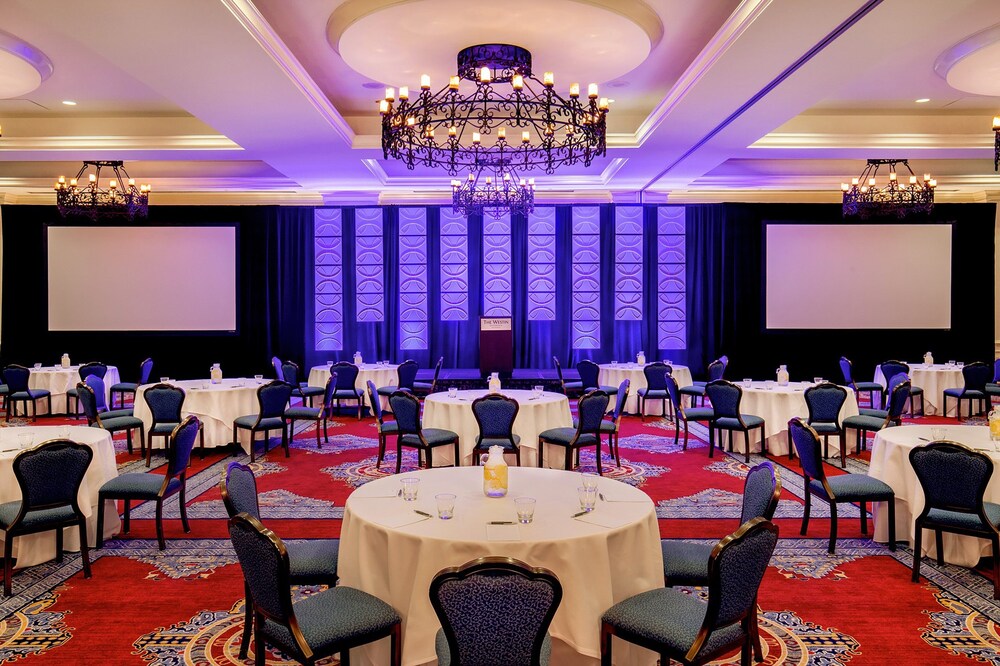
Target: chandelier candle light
<point>864,197</point>
<point>996,143</point>
<point>122,198</point>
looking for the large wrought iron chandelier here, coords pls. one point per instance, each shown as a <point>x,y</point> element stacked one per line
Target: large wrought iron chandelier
<point>865,197</point>
<point>493,188</point>
<point>121,198</point>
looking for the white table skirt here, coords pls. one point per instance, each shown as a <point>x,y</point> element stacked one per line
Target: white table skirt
<point>891,464</point>
<point>933,379</point>
<point>613,375</point>
<point>380,375</point>
<point>597,566</point>
<point>777,406</point>
<point>534,415</point>
<point>37,548</point>
<point>57,380</point>
<point>215,405</point>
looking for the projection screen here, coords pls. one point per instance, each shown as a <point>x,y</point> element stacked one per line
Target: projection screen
<point>142,278</point>
<point>858,276</point>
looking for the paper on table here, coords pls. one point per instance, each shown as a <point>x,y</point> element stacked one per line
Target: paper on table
<point>400,519</point>
<point>607,519</point>
<point>618,495</point>
<point>503,532</point>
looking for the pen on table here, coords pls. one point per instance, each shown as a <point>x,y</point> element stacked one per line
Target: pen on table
<point>601,495</point>
<point>577,515</point>
<point>422,513</point>
<point>501,522</point>
<point>923,439</point>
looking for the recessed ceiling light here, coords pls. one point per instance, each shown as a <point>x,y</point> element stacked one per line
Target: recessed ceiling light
<point>922,100</point>
<point>69,102</point>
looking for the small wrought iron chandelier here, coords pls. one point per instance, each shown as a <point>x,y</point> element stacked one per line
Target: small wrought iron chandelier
<point>122,198</point>
<point>864,197</point>
<point>996,143</point>
<point>496,189</point>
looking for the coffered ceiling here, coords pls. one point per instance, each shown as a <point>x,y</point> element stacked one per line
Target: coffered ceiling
<point>275,101</point>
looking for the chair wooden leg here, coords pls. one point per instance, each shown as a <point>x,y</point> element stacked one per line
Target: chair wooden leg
<point>183,502</point>
<point>892,528</point>
<point>864,516</point>
<point>99,539</point>
<point>805,511</point>
<point>259,644</point>
<point>381,449</point>
<point>917,538</point>
<point>754,621</point>
<point>159,525</point>
<point>399,454</point>
<point>458,460</point>
<point>606,637</point>
<point>996,569</point>
<point>8,564</point>
<point>939,545</point>
<point>59,544</point>
<point>84,551</point>
<point>247,621</point>
<point>126,515</point>
<point>396,645</point>
<point>600,472</point>
<point>832,549</point>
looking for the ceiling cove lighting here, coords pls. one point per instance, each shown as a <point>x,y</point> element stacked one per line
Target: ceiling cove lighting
<point>121,198</point>
<point>496,189</point>
<point>865,197</point>
<point>996,143</point>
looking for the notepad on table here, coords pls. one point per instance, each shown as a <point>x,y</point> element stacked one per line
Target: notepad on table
<point>614,494</point>
<point>609,519</point>
<point>401,519</point>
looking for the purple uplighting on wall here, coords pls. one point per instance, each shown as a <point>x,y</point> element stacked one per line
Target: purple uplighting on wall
<point>586,308</point>
<point>454,266</point>
<point>671,288</point>
<point>369,264</point>
<point>496,267</point>
<point>329,283</point>
<point>542,264</point>
<point>628,263</point>
<point>413,278</point>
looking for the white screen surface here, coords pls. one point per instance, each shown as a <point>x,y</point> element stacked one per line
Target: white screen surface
<point>142,278</point>
<point>855,276</point>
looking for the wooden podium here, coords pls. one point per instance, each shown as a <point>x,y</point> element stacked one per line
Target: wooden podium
<point>496,346</point>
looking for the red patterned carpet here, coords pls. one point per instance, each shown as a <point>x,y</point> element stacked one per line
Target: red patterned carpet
<point>184,605</point>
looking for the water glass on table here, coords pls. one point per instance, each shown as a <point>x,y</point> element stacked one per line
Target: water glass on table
<point>411,485</point>
<point>589,481</point>
<point>747,382</point>
<point>452,391</point>
<point>525,507</point>
<point>536,391</point>
<point>445,505</point>
<point>588,497</point>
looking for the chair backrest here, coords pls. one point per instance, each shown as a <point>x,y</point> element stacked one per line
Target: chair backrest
<point>495,415</point>
<point>897,399</point>
<point>437,373</point>
<point>735,570</point>
<point>976,376</point>
<point>239,490</point>
<point>562,381</point>
<point>406,374</point>
<point>328,391</point>
<point>996,371</point>
<point>347,375</point>
<point>892,368</point>
<point>892,381</point>
<point>591,409</point>
<point>181,443</point>
<point>50,474</point>
<point>16,377</point>
<point>406,410</point>
<point>717,368</point>
<point>675,394</point>
<point>515,603</point>
<point>375,403</point>
<point>656,376</point>
<point>93,368</point>
<point>620,399</point>
<point>145,370</point>
<point>87,397</point>
<point>725,398</point>
<point>807,446</point>
<point>589,373</point>
<point>761,491</point>
<point>264,561</point>
<point>952,476</point>
<point>97,383</point>
<point>289,373</point>
<point>845,370</point>
<point>824,402</point>
<point>276,364</point>
<point>164,402</point>
<point>272,398</point>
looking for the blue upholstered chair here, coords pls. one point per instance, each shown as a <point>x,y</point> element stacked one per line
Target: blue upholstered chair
<point>410,432</point>
<point>97,384</point>
<point>278,372</point>
<point>406,374</point>
<point>953,478</point>
<point>612,422</point>
<point>857,488</point>
<point>290,375</point>
<point>385,428</point>
<point>423,388</point>
<point>495,415</point>
<point>590,409</point>
<point>824,403</point>
<point>122,388</point>
<point>272,399</point>
<point>346,389</point>
<point>891,369</point>
<point>16,378</point>
<point>992,388</point>
<point>312,562</point>
<point>726,398</point>
<point>590,374</point>
<point>686,414</point>
<point>329,622</point>
<point>317,415</point>
<point>656,387</point>
<point>976,376</point>
<point>4,392</point>
<point>567,387</point>
<point>49,476</point>
<point>891,383</point>
<point>153,487</point>
<point>680,626</point>
<point>716,371</point>
<point>165,402</point>
<point>86,370</point>
<point>110,421</point>
<point>500,597</point>
<point>865,423</point>
<point>871,388</point>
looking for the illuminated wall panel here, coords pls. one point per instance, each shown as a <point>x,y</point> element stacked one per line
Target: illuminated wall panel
<point>328,313</point>
<point>413,278</point>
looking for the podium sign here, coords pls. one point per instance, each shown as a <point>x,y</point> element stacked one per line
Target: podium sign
<point>496,345</point>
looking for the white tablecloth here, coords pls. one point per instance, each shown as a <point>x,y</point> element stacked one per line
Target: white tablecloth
<point>37,548</point>
<point>777,406</point>
<point>933,379</point>
<point>550,410</point>
<point>381,375</point>
<point>891,463</point>
<point>215,405</point>
<point>613,375</point>
<point>57,380</point>
<point>597,566</point>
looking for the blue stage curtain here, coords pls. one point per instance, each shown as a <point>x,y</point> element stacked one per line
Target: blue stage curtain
<point>288,268</point>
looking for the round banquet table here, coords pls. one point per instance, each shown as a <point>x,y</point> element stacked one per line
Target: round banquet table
<point>613,374</point>
<point>215,405</point>
<point>777,406</point>
<point>933,379</point>
<point>380,375</point>
<point>37,548</point>
<point>891,464</point>
<point>550,410</point>
<point>57,380</point>
<point>600,559</point>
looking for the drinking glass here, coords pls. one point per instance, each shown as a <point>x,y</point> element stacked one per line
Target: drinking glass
<point>37,366</point>
<point>937,434</point>
<point>25,440</point>
<point>747,382</point>
<point>589,481</point>
<point>769,385</point>
<point>538,390</point>
<point>164,380</point>
<point>817,380</point>
<point>258,377</point>
<point>410,486</point>
<point>951,363</point>
<point>452,391</point>
<point>445,505</point>
<point>588,498</point>
<point>614,362</point>
<point>329,364</point>
<point>525,507</point>
<point>960,364</point>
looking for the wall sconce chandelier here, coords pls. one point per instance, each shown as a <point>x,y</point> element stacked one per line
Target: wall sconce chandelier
<point>865,198</point>
<point>122,198</point>
<point>496,189</point>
